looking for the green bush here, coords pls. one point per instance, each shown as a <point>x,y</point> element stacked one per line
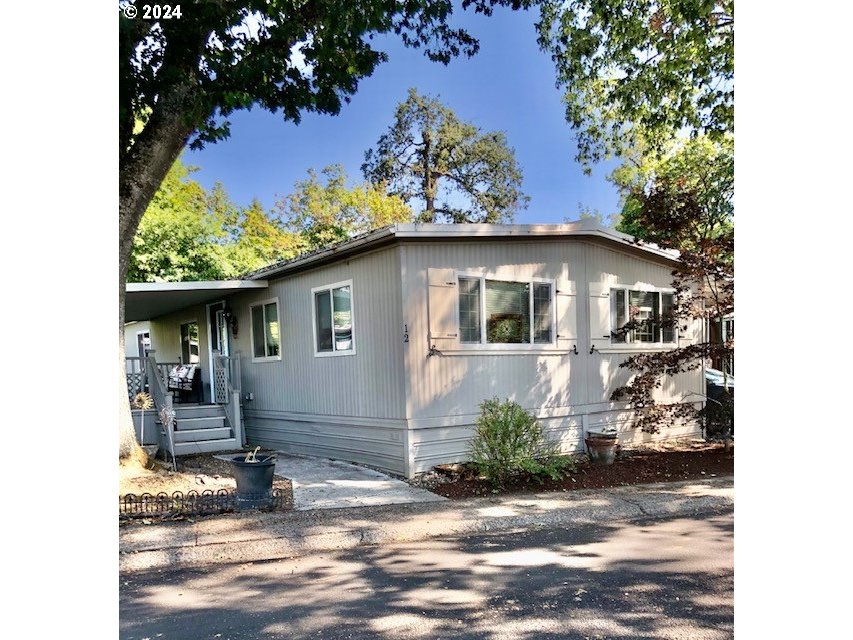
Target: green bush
<point>509,441</point>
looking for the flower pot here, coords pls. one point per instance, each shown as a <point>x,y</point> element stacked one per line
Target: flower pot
<point>601,450</point>
<point>254,481</point>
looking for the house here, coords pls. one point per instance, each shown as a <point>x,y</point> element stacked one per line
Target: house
<point>380,349</point>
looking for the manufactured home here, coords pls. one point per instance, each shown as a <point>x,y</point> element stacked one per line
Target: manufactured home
<point>380,349</point>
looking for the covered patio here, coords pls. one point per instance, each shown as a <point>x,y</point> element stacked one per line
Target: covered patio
<point>178,349</point>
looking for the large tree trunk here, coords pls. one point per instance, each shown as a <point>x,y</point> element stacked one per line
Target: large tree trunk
<point>428,214</point>
<point>143,167</point>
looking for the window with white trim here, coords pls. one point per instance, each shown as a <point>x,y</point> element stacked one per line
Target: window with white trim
<point>641,317</point>
<point>334,330</point>
<point>505,311</point>
<point>265,330</point>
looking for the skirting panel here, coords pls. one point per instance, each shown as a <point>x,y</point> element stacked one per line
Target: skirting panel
<point>380,447</point>
<point>448,444</point>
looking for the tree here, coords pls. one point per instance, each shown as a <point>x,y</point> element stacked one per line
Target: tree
<point>701,164</point>
<point>188,233</point>
<point>322,214</point>
<point>641,69</point>
<point>686,203</point>
<point>182,78</point>
<point>181,235</point>
<point>456,172</point>
<point>261,239</point>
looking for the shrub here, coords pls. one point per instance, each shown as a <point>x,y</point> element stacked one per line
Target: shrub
<point>509,441</point>
<point>719,416</point>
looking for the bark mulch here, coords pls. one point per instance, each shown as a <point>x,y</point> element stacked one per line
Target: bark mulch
<point>657,463</point>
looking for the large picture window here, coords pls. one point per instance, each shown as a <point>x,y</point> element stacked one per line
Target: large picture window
<point>265,331</point>
<point>505,312</point>
<point>641,316</point>
<point>334,332</point>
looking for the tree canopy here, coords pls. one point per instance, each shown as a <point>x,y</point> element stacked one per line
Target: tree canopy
<point>703,166</point>
<point>321,213</point>
<point>644,69</point>
<point>683,201</point>
<point>450,168</point>
<point>184,77</point>
<point>189,233</point>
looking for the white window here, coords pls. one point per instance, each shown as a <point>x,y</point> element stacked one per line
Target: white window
<point>334,330</point>
<point>495,311</point>
<point>641,317</point>
<point>266,344</point>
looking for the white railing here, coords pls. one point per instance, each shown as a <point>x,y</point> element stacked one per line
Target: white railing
<point>226,390</point>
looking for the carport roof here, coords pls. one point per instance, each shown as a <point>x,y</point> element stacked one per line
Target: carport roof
<point>147,300</point>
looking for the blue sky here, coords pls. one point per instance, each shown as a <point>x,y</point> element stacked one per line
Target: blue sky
<point>507,86</point>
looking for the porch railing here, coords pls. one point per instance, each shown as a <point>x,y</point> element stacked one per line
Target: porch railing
<point>162,397</point>
<point>136,379</point>
<point>136,371</point>
<point>226,390</point>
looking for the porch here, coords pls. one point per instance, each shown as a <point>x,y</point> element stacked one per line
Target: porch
<point>183,359</point>
<point>197,426</point>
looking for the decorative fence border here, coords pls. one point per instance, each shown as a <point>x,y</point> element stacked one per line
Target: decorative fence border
<point>192,503</point>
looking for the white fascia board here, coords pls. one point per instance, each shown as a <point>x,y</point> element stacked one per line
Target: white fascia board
<point>587,228</point>
<point>417,231</point>
<point>198,285</point>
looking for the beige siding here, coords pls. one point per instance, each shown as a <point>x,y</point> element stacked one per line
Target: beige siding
<point>166,340</point>
<point>349,406</point>
<point>130,331</point>
<point>391,405</point>
<point>568,391</point>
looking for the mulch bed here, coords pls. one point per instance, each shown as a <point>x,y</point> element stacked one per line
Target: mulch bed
<point>661,463</point>
<point>195,473</point>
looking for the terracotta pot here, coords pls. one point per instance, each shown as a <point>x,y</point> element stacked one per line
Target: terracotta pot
<point>601,450</point>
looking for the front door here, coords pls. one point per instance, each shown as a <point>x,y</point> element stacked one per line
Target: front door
<point>219,338</point>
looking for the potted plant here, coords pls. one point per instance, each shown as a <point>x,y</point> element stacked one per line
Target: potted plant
<point>254,476</point>
<point>602,446</point>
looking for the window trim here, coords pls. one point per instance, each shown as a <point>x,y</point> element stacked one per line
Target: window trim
<point>642,346</point>
<point>330,287</point>
<point>262,303</point>
<point>484,345</point>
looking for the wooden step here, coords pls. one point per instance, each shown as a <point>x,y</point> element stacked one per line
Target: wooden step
<point>198,410</point>
<point>197,435</point>
<point>207,446</point>
<point>195,424</point>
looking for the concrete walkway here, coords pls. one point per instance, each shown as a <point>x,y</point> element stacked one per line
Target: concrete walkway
<point>320,483</point>
<point>253,537</point>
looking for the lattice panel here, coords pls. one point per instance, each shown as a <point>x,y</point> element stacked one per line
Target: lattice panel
<point>220,381</point>
<point>134,384</point>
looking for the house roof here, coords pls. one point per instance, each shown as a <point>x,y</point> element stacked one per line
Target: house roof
<point>581,229</point>
<point>146,300</point>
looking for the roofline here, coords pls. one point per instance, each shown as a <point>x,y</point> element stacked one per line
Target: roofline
<point>198,285</point>
<point>425,232</point>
